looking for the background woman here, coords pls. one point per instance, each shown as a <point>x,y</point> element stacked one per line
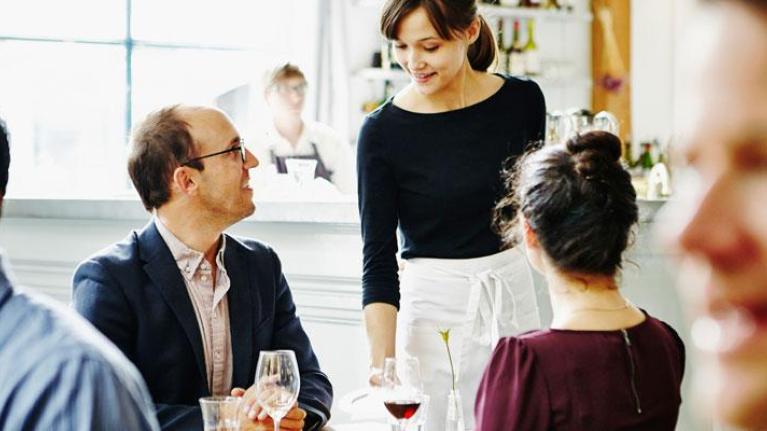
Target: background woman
<point>429,161</point>
<point>604,364</point>
<point>290,136</point>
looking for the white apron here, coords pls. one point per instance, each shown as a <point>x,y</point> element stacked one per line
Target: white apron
<point>479,300</point>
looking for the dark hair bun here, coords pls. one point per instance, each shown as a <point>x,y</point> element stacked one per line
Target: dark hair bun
<point>578,200</point>
<point>593,152</point>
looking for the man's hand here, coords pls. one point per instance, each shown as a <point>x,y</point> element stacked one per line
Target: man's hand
<point>255,418</point>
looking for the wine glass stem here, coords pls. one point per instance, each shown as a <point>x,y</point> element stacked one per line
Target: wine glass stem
<point>402,424</point>
<point>276,424</point>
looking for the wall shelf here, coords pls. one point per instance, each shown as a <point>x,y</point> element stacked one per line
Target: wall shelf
<point>493,11</point>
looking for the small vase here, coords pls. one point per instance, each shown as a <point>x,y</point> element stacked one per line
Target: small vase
<point>454,419</point>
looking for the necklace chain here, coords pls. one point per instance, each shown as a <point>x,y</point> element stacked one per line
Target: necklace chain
<point>625,305</point>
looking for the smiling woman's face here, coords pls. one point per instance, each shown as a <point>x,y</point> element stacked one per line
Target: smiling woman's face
<point>432,62</point>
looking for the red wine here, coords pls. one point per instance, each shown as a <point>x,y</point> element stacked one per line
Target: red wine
<point>402,409</point>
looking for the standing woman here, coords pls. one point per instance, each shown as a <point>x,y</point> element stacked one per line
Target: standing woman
<point>429,162</point>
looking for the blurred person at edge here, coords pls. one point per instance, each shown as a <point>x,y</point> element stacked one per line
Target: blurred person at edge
<point>56,371</point>
<point>290,136</point>
<point>718,222</point>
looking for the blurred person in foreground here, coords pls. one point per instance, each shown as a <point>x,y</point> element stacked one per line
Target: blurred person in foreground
<point>190,305</point>
<point>604,364</point>
<point>718,222</point>
<point>58,372</point>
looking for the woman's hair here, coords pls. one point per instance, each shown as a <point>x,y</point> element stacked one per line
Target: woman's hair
<point>282,72</point>
<point>578,200</point>
<point>449,18</point>
<point>757,6</point>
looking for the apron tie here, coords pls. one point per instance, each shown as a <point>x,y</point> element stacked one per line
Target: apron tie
<point>485,307</point>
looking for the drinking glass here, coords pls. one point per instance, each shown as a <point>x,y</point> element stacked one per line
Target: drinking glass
<point>402,389</point>
<point>418,422</point>
<point>277,383</point>
<point>301,170</point>
<point>220,413</point>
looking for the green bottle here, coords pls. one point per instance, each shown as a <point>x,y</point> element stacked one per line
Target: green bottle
<point>645,160</point>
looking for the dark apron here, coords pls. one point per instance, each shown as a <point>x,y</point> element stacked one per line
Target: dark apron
<point>322,171</point>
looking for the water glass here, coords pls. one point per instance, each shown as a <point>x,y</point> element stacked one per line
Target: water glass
<point>277,383</point>
<point>220,413</point>
<point>301,170</point>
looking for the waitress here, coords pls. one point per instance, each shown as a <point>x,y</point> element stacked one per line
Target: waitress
<point>429,162</point>
<point>291,137</point>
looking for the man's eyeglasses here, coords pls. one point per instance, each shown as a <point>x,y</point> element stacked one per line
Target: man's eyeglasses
<point>240,148</point>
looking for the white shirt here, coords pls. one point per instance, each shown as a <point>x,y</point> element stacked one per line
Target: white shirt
<point>334,152</point>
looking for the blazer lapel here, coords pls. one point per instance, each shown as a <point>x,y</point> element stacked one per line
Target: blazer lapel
<point>241,309</point>
<point>164,273</point>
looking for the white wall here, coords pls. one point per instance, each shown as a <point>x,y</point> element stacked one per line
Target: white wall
<point>653,30</point>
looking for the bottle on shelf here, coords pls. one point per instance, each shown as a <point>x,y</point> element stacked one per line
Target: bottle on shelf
<point>516,52</point>
<point>502,64</point>
<point>552,4</point>
<point>531,54</point>
<point>645,161</point>
<point>627,158</point>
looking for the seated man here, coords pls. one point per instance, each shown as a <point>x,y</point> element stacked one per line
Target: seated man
<point>190,306</point>
<point>57,371</point>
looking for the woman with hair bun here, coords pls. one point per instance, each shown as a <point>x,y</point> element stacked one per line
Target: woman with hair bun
<point>604,364</point>
<point>429,163</point>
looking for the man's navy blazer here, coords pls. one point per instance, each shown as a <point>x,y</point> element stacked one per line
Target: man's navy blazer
<point>134,293</point>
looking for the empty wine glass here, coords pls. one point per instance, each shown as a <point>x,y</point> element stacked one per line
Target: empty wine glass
<point>277,383</point>
<point>402,389</point>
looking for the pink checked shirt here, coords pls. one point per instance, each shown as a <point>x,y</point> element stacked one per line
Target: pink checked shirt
<point>210,306</point>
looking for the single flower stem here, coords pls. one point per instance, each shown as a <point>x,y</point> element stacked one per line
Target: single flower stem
<point>452,369</point>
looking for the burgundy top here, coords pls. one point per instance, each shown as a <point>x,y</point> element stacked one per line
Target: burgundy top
<point>584,380</point>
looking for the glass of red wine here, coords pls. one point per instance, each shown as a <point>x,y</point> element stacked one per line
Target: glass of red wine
<point>402,389</point>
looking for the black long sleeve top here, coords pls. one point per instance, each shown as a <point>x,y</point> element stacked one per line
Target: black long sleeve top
<point>437,177</point>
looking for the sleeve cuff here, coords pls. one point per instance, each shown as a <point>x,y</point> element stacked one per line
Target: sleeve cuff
<point>315,418</point>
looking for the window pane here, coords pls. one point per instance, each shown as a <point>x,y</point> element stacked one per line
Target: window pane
<point>265,24</point>
<point>71,19</point>
<point>65,109</point>
<point>163,76</point>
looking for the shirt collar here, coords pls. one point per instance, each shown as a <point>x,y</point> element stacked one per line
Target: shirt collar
<point>187,259</point>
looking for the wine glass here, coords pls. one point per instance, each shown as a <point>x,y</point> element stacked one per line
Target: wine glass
<point>402,389</point>
<point>277,383</point>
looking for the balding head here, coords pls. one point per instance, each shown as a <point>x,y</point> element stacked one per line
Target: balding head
<point>161,143</point>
